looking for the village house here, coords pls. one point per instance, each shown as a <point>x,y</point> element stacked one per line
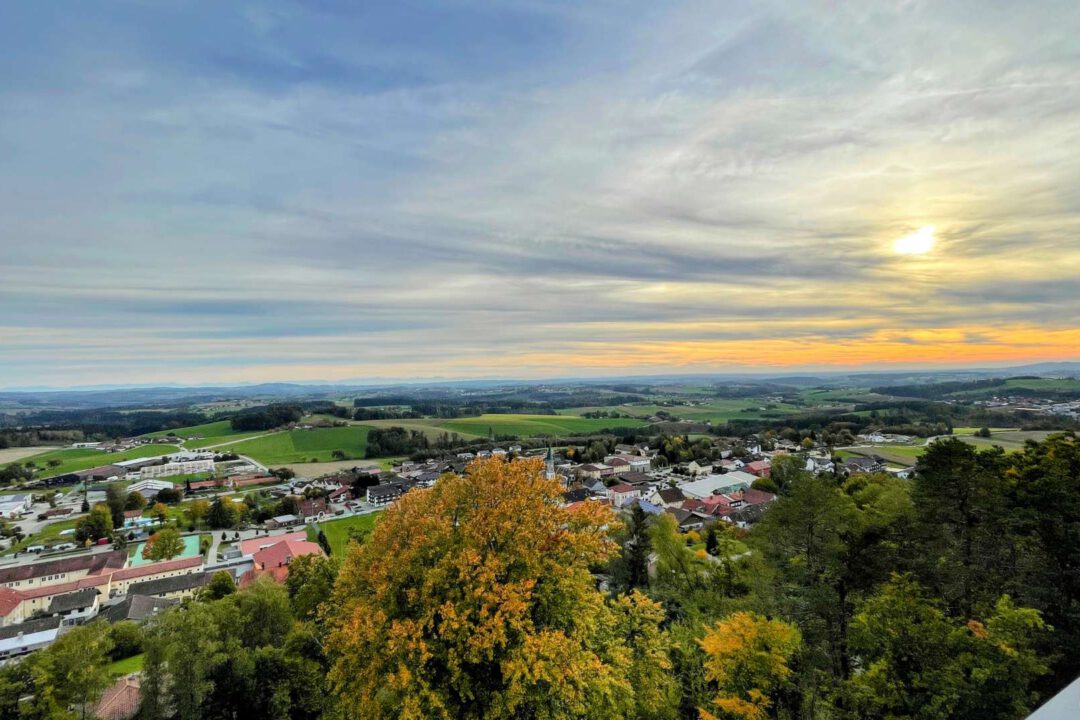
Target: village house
<point>760,468</point>
<point>272,556</point>
<point>666,497</point>
<point>622,494</point>
<point>860,464</point>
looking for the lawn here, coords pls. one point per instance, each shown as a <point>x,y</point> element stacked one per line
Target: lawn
<point>534,425</point>
<point>337,531</point>
<point>74,459</point>
<point>296,446</point>
<point>126,666</point>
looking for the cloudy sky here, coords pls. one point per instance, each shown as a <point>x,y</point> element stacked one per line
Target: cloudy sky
<point>216,192</point>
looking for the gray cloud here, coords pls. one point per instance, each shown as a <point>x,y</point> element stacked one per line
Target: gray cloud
<point>481,184</point>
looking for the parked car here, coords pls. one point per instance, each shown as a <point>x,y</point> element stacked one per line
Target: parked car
<point>35,548</point>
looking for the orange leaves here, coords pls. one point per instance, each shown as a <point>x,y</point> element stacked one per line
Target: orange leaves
<point>471,595</point>
<point>748,659</point>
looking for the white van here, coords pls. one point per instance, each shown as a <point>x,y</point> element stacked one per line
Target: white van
<point>35,548</point>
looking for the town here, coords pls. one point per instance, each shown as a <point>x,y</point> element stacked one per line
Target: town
<point>120,529</point>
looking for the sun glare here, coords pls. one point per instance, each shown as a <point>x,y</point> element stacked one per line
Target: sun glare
<point>917,243</point>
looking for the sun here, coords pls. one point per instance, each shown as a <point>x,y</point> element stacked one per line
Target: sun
<point>919,242</point>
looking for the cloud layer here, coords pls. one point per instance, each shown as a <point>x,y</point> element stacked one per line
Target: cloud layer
<point>307,190</point>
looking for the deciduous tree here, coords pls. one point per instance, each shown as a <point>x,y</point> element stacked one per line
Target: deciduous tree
<point>473,599</point>
<point>747,658</point>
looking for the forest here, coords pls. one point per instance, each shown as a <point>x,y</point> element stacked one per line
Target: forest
<point>955,594</point>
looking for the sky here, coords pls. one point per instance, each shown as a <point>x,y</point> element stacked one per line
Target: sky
<point>198,192</point>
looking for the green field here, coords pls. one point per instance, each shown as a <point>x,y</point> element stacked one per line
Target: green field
<point>337,531</point>
<point>534,425</point>
<point>213,433</point>
<point>295,446</point>
<point>73,459</point>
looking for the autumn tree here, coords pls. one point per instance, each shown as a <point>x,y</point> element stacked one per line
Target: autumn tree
<point>747,657</point>
<point>163,545</point>
<point>160,511</point>
<point>473,599</point>
<point>197,511</point>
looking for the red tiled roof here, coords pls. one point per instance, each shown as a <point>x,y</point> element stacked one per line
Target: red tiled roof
<point>9,600</point>
<point>94,564</point>
<point>280,554</point>
<point>119,702</point>
<point>254,480</point>
<point>157,567</point>
<point>250,547</point>
<point>757,497</point>
<point>61,588</point>
<point>622,488</point>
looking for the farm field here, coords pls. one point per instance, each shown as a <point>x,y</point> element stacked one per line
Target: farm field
<point>533,425</point>
<point>714,411</point>
<point>337,531</point>
<point>297,446</point>
<point>10,455</point>
<point>431,427</point>
<point>73,459</point>
<point>1011,440</point>
<point>840,395</point>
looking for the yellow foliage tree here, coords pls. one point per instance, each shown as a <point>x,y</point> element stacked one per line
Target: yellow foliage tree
<point>473,599</point>
<point>747,658</point>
